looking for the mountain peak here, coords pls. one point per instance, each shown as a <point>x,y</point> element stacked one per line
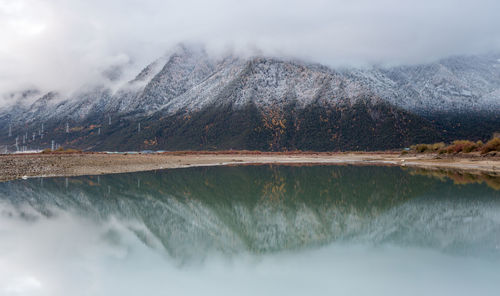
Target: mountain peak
<point>188,81</point>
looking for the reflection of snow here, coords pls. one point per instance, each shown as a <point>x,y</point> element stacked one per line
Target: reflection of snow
<point>58,240</point>
<point>89,266</point>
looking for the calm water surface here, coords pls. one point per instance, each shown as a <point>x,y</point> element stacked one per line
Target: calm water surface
<point>255,230</point>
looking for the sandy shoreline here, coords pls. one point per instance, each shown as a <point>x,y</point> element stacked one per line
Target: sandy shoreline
<point>35,165</point>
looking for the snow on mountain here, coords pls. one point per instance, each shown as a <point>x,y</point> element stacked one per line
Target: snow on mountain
<point>459,83</point>
<point>188,79</point>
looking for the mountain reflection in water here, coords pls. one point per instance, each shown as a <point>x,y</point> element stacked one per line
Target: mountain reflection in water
<point>263,209</point>
<point>190,216</point>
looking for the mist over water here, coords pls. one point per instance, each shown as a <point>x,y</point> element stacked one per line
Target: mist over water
<point>262,230</point>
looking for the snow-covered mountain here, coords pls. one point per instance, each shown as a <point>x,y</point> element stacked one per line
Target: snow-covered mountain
<point>189,81</point>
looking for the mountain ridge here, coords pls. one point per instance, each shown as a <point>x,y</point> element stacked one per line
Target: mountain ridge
<point>423,103</point>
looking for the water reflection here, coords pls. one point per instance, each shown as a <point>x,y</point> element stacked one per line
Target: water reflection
<point>241,223</point>
<point>461,178</point>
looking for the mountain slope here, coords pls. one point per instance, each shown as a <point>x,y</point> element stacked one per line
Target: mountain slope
<point>191,100</point>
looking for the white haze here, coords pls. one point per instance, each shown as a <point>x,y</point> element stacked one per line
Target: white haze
<point>64,44</point>
<point>68,255</point>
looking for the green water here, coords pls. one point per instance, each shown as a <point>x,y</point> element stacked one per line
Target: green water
<point>258,229</point>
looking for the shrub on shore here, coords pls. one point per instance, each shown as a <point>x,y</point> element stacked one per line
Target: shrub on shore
<point>421,148</point>
<point>464,146</point>
<point>458,146</point>
<point>491,145</point>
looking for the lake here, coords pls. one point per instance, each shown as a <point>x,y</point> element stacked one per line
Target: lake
<point>252,230</point>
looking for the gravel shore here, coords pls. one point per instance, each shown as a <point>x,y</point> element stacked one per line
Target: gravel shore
<point>77,164</point>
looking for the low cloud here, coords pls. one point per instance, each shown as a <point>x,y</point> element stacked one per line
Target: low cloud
<point>64,44</point>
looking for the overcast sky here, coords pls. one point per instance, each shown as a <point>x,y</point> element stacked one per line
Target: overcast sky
<point>61,44</point>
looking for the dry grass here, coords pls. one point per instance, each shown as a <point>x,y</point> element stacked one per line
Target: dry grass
<point>463,146</point>
<point>421,148</point>
<point>491,145</point>
<point>61,150</point>
<point>458,146</point>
